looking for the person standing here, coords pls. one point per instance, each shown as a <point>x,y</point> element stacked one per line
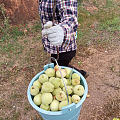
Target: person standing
<point>59,27</point>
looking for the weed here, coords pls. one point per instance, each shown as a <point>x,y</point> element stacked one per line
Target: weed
<point>109,3</point>
<point>112,68</point>
<point>15,116</point>
<point>111,24</point>
<point>27,107</point>
<point>5,27</point>
<point>9,47</point>
<point>39,37</point>
<point>95,3</point>
<point>8,32</point>
<point>15,33</point>
<point>36,27</point>
<point>83,15</point>
<point>80,34</point>
<point>79,63</point>
<point>25,41</point>
<point>1,118</point>
<point>2,103</point>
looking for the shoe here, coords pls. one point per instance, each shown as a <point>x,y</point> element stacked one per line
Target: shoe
<point>84,73</point>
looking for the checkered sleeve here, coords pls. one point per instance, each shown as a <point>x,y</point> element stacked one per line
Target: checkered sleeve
<point>69,18</point>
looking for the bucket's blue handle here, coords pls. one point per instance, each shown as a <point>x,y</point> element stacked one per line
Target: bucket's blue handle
<point>69,108</point>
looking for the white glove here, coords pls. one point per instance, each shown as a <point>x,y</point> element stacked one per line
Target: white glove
<point>55,35</point>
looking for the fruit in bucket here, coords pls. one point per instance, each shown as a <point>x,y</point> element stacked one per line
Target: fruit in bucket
<point>54,105</point>
<point>69,81</point>
<point>46,98</point>
<point>75,81</point>
<point>47,87</point>
<point>68,72</point>
<point>37,99</point>
<point>55,81</point>
<point>49,93</point>
<point>37,83</point>
<point>75,76</point>
<point>69,89</point>
<point>60,96</point>
<point>70,99</point>
<point>34,90</point>
<point>56,68</point>
<point>78,90</point>
<point>63,104</point>
<point>56,91</point>
<point>45,107</point>
<point>58,74</point>
<point>50,72</point>
<point>43,78</point>
<point>64,80</point>
<point>75,98</point>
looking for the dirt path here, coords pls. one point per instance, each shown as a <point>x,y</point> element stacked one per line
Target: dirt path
<point>104,86</point>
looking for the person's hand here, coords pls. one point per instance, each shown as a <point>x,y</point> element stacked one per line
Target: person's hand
<point>55,34</point>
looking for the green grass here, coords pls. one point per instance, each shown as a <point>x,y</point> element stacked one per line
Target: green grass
<point>105,19</point>
<point>1,118</point>
<point>109,3</point>
<point>13,48</point>
<point>36,27</point>
<point>111,24</point>
<point>15,32</point>
<point>11,33</point>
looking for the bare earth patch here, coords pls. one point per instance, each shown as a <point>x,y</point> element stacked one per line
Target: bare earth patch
<point>104,86</point>
<point>103,83</point>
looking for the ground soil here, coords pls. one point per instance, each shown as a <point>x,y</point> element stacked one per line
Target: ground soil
<point>21,11</point>
<point>102,63</point>
<point>103,102</point>
<point>104,85</point>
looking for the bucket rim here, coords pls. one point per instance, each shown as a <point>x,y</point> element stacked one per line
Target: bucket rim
<point>56,112</point>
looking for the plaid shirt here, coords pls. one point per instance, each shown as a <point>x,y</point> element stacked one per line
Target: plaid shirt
<point>66,17</point>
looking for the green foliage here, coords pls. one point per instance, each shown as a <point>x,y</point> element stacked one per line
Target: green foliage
<point>4,28</point>
<point>1,118</point>
<point>36,27</point>
<point>11,48</point>
<point>15,33</point>
<point>111,24</point>
<point>83,15</point>
<point>91,25</point>
<point>109,3</point>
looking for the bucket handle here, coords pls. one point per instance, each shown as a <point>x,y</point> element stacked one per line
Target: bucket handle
<point>52,65</point>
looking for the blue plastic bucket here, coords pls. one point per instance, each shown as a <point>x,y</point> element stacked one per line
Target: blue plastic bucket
<point>70,112</point>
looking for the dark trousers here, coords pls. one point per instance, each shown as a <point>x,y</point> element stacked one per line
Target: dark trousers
<point>65,58</point>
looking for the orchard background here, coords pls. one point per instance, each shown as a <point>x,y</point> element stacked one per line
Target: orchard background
<point>22,57</point>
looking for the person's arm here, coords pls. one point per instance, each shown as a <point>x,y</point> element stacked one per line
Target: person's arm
<point>62,32</point>
<point>69,17</point>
